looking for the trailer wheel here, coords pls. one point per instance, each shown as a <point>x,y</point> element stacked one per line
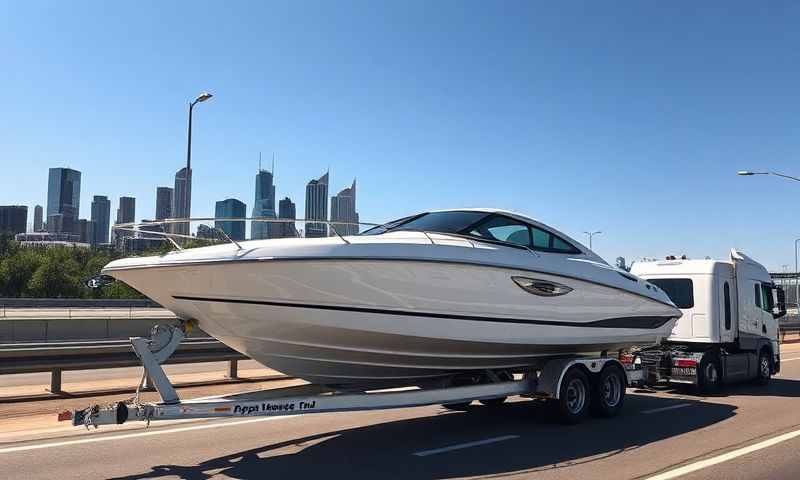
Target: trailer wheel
<point>574,396</point>
<point>709,374</point>
<point>608,392</point>
<point>764,368</point>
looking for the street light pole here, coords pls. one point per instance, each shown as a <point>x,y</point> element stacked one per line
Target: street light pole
<point>747,173</point>
<point>796,280</point>
<point>592,234</point>
<point>186,201</point>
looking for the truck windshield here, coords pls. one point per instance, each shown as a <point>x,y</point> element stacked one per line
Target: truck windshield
<point>679,290</point>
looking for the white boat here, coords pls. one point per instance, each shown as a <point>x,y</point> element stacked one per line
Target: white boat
<point>424,297</point>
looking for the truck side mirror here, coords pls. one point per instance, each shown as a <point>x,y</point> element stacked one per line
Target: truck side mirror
<point>780,307</point>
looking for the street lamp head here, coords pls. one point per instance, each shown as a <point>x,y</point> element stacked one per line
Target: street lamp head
<point>744,173</point>
<point>203,97</point>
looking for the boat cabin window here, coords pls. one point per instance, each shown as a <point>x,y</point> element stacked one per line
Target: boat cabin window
<point>488,226</point>
<point>679,290</point>
<point>504,229</point>
<point>442,222</point>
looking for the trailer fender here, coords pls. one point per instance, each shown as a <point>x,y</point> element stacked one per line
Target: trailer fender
<point>549,381</point>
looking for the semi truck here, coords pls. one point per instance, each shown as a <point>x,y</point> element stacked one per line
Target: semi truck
<point>729,329</point>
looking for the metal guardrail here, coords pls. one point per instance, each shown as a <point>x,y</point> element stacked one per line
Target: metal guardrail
<point>56,357</point>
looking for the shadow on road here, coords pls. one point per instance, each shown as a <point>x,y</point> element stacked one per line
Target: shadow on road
<point>777,387</point>
<point>385,450</point>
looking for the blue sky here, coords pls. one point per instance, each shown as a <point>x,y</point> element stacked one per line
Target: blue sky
<point>626,117</point>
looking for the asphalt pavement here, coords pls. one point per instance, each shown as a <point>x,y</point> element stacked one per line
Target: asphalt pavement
<point>746,432</point>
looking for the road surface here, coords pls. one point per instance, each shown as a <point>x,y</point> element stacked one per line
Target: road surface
<point>748,432</point>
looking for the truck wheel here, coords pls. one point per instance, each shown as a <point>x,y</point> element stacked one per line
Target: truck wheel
<point>608,392</point>
<point>574,396</point>
<point>709,375</point>
<point>764,368</point>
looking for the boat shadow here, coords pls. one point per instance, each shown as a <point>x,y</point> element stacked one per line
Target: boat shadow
<point>533,442</point>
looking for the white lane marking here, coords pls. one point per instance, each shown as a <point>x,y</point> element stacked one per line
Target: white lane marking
<point>109,438</point>
<point>789,359</point>
<point>478,443</point>
<point>663,409</point>
<point>693,467</point>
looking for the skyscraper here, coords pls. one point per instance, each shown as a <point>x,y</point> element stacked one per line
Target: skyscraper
<point>182,200</point>
<point>264,206</point>
<point>101,216</point>
<point>164,202</point>
<point>343,209</point>
<point>126,213</point>
<point>286,210</point>
<point>64,197</point>
<point>317,206</point>
<point>231,208</point>
<point>38,213</point>
<point>86,231</point>
<point>13,219</point>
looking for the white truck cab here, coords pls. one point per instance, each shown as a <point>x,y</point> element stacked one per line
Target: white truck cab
<point>729,328</point>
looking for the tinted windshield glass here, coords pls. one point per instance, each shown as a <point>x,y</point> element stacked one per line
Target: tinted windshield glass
<point>444,222</point>
<point>679,290</point>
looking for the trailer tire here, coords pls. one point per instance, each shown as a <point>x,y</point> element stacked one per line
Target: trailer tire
<point>608,392</point>
<point>574,396</point>
<point>764,367</point>
<point>709,374</point>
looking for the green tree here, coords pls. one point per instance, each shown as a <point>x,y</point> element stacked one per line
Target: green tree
<point>16,271</point>
<point>57,276</point>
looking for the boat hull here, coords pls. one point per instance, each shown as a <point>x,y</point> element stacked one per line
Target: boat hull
<point>364,322</point>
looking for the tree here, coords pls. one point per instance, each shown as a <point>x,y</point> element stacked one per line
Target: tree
<point>16,271</point>
<point>57,276</point>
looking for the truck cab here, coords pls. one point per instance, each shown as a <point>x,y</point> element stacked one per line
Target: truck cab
<point>729,328</point>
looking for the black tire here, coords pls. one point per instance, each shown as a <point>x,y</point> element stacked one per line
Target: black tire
<point>457,407</point>
<point>764,368</point>
<point>574,396</point>
<point>608,391</point>
<point>709,374</point>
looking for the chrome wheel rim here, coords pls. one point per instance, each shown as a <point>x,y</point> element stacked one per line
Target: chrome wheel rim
<point>576,395</point>
<point>764,367</point>
<point>612,390</point>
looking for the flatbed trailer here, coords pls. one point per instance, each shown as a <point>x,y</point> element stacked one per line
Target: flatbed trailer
<point>576,385</point>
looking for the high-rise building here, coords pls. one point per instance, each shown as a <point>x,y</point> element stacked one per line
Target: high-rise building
<point>206,232</point>
<point>101,216</point>
<point>231,208</point>
<point>343,209</point>
<point>317,206</point>
<point>164,202</point>
<point>264,206</point>
<point>126,213</point>
<point>182,200</point>
<point>86,231</point>
<point>64,197</point>
<point>38,220</point>
<point>13,219</point>
<point>286,210</point>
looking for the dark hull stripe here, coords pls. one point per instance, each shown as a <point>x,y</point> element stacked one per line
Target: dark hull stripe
<point>649,322</point>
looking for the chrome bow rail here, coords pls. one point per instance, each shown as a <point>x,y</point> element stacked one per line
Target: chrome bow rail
<point>171,229</point>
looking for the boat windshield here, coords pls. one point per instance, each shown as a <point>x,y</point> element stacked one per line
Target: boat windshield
<point>441,222</point>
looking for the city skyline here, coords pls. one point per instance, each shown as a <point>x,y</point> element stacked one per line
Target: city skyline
<point>561,113</point>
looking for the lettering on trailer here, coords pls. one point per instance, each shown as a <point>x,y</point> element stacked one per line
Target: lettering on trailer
<point>245,409</point>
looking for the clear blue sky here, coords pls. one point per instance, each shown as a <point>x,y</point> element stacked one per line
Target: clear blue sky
<point>626,117</point>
